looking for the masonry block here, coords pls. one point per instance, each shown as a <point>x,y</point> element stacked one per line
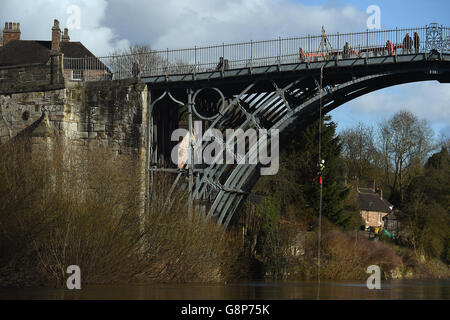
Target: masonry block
<point>99,127</point>
<point>83,135</point>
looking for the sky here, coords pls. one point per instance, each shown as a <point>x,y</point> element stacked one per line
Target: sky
<point>104,26</point>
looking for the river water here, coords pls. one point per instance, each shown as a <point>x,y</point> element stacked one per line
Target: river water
<point>336,290</point>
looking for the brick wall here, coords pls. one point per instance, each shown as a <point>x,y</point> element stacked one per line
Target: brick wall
<point>88,74</point>
<point>373,218</point>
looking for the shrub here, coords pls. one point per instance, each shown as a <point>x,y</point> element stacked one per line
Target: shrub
<point>66,206</point>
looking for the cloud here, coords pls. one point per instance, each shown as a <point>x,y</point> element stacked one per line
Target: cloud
<point>180,23</point>
<point>428,100</point>
<point>36,21</point>
<point>109,25</point>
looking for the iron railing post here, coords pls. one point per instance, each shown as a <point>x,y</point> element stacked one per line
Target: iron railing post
<point>396,37</point>
<point>251,53</point>
<point>279,50</point>
<point>167,61</point>
<point>309,48</point>
<point>195,59</point>
<point>367,43</point>
<point>338,42</point>
<point>222,67</point>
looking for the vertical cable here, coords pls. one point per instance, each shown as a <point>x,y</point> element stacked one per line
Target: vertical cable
<point>321,182</point>
<point>191,154</point>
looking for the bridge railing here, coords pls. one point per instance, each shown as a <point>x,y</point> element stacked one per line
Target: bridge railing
<point>259,53</point>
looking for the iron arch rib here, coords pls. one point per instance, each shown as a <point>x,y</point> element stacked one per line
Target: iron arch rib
<point>244,177</point>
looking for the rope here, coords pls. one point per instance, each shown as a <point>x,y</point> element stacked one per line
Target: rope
<point>321,183</point>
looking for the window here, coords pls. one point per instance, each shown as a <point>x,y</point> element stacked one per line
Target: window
<point>77,74</point>
<point>379,217</point>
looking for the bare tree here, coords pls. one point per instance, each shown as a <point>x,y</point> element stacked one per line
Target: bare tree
<point>405,142</point>
<point>136,60</point>
<point>444,142</point>
<point>358,149</point>
<point>383,143</point>
<point>142,60</point>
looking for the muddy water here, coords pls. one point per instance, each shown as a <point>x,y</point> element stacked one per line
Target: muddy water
<point>394,289</point>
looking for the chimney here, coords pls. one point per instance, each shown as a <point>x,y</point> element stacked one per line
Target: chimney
<point>56,36</point>
<point>11,32</point>
<point>65,37</point>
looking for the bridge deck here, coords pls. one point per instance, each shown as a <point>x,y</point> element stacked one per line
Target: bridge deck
<point>267,56</point>
<point>293,67</point>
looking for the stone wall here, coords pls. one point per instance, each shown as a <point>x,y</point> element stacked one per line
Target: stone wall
<point>110,113</point>
<point>32,77</point>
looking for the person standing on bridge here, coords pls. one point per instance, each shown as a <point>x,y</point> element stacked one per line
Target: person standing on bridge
<point>407,44</point>
<point>390,47</point>
<point>416,42</point>
<point>347,50</point>
<point>136,69</point>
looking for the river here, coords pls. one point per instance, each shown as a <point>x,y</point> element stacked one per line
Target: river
<point>336,290</point>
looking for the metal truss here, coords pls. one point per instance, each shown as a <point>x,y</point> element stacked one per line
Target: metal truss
<point>279,105</point>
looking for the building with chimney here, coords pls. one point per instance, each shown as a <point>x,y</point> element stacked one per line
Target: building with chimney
<point>14,52</point>
<point>374,208</point>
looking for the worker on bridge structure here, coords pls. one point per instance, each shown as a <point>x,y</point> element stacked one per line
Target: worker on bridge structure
<point>390,47</point>
<point>347,49</point>
<point>320,168</point>
<point>416,42</point>
<point>325,47</point>
<point>407,44</point>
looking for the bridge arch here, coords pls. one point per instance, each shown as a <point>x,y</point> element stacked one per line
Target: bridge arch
<point>240,179</point>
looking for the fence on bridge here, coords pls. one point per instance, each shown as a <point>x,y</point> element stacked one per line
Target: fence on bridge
<point>259,53</point>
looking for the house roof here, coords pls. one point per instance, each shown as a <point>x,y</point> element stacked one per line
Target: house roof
<point>34,51</point>
<point>24,52</point>
<point>75,50</point>
<point>369,200</point>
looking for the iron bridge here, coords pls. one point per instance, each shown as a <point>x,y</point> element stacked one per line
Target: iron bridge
<point>269,85</point>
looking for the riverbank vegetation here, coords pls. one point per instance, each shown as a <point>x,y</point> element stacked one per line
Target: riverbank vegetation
<point>395,156</point>
<point>72,206</point>
<point>62,207</point>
